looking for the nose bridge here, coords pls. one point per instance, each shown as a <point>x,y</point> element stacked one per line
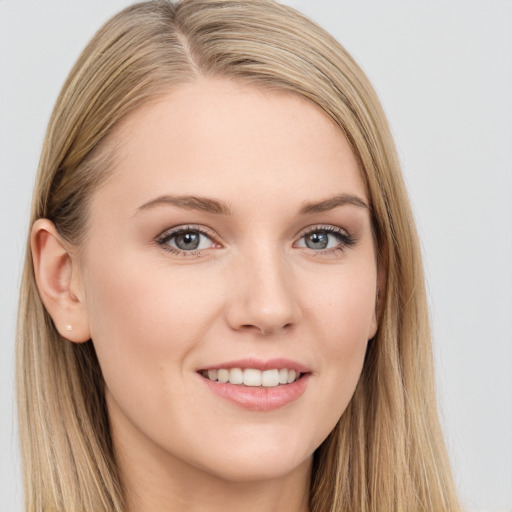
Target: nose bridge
<point>263,294</point>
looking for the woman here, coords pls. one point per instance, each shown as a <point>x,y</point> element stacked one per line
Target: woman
<point>223,305</point>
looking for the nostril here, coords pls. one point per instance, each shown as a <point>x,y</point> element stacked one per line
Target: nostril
<point>263,310</point>
<point>266,331</point>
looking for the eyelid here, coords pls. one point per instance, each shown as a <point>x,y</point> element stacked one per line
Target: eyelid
<point>176,230</point>
<point>322,227</point>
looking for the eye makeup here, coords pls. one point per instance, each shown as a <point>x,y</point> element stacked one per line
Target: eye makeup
<point>187,240</point>
<point>324,239</point>
<point>191,240</point>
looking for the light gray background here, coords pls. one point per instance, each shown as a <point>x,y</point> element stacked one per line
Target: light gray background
<point>443,70</point>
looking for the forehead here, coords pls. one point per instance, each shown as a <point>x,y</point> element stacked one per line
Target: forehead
<point>232,141</point>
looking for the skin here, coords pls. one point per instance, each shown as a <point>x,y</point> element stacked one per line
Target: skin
<point>254,289</point>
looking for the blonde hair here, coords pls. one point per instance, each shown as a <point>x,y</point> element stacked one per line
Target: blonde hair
<point>387,451</point>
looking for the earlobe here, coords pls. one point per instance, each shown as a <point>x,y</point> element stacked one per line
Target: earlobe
<point>57,278</point>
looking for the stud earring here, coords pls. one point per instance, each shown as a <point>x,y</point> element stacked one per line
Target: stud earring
<point>69,327</point>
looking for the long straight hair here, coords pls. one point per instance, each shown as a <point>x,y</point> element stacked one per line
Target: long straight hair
<point>386,452</point>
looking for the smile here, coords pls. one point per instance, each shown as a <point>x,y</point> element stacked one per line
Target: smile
<point>258,385</point>
<point>253,377</point>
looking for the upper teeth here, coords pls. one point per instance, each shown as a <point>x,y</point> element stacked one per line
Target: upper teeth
<point>253,376</point>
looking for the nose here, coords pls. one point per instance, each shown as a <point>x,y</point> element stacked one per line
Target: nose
<point>263,295</point>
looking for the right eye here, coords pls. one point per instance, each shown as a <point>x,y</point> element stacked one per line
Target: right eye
<point>183,240</point>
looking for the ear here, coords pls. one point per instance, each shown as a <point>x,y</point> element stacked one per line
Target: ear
<point>58,279</point>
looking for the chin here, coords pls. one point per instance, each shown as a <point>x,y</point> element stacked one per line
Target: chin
<point>242,470</point>
<point>257,460</point>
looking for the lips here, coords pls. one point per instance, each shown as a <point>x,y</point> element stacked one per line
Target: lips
<point>257,385</point>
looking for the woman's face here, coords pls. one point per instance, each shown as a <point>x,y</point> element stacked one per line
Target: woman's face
<point>232,242</point>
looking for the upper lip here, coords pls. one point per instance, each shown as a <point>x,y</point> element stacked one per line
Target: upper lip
<point>260,364</point>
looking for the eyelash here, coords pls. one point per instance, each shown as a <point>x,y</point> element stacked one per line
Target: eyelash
<point>345,239</point>
<point>163,239</point>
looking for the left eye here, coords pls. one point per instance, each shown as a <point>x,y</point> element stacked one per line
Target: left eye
<point>187,240</point>
<point>321,239</point>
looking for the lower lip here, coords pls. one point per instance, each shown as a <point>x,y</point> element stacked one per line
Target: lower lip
<point>259,398</point>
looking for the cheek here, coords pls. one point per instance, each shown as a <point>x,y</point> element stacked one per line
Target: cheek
<point>344,319</point>
<point>147,300</point>
<point>144,323</point>
<point>343,307</point>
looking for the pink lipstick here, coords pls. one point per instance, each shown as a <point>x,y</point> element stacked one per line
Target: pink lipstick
<point>257,385</point>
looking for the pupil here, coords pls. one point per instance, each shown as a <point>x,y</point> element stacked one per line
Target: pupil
<point>188,241</point>
<point>317,240</point>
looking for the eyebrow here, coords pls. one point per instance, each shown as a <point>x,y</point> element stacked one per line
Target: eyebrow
<point>209,205</point>
<point>203,204</point>
<point>331,203</point>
